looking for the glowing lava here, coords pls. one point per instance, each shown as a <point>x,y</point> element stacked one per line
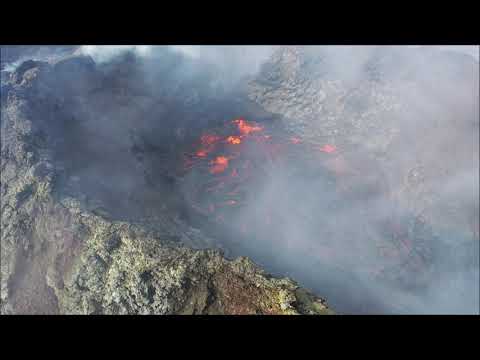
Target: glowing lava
<point>208,144</point>
<point>245,128</point>
<point>234,140</point>
<point>210,147</point>
<point>220,164</point>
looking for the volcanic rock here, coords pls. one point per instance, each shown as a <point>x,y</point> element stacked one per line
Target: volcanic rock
<point>64,250</point>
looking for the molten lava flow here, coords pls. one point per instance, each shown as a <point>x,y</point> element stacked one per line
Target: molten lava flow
<point>234,140</point>
<point>220,164</point>
<point>328,148</point>
<point>245,128</point>
<point>214,148</point>
<point>208,144</point>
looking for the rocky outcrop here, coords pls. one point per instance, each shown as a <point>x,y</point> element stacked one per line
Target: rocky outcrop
<point>62,251</point>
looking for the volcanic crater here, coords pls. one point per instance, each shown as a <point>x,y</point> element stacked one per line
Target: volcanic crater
<point>160,142</point>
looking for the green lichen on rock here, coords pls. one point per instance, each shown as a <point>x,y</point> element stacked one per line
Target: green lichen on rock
<point>144,275</point>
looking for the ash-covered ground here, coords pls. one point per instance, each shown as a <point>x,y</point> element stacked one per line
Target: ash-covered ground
<point>352,170</point>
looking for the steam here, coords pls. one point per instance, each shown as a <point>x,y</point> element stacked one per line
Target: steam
<point>232,63</point>
<point>323,238</point>
<point>314,218</point>
<point>105,53</point>
<point>241,60</point>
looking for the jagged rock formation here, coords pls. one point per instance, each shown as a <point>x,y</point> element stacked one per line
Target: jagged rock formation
<point>63,249</point>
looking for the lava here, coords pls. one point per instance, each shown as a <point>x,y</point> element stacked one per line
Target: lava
<point>208,144</point>
<point>220,164</point>
<point>234,140</point>
<point>211,144</point>
<point>245,128</point>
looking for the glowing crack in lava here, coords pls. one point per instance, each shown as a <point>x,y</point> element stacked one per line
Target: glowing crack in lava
<point>220,164</point>
<point>201,153</point>
<point>245,128</point>
<point>234,140</point>
<point>212,148</point>
<point>208,145</point>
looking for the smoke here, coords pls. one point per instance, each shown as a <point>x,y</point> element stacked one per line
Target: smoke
<point>330,239</point>
<point>105,53</point>
<point>326,230</point>
<point>231,63</point>
<point>465,49</point>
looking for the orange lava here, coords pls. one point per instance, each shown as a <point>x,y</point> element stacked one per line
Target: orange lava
<point>235,140</point>
<point>245,128</point>
<point>220,164</point>
<point>208,144</point>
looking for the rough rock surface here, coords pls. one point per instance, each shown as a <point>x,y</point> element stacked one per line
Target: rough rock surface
<point>61,252</point>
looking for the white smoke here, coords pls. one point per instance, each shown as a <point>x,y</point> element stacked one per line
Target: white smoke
<point>230,62</point>
<point>105,53</point>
